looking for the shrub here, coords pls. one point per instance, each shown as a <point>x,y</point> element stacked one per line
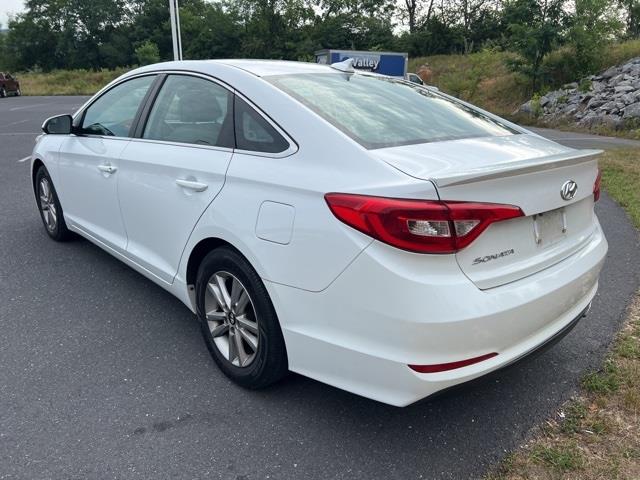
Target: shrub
<point>147,53</point>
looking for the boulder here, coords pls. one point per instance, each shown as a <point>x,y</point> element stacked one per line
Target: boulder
<point>623,88</point>
<point>632,111</point>
<point>613,96</point>
<point>525,108</point>
<point>611,72</point>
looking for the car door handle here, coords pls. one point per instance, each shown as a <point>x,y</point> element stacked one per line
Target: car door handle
<point>107,168</point>
<point>191,185</point>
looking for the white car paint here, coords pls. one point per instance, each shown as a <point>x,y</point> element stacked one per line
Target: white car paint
<point>354,311</point>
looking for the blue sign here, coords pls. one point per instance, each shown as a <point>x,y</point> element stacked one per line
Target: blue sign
<point>386,63</point>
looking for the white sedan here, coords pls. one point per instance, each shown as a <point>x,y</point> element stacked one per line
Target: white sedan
<point>362,230</point>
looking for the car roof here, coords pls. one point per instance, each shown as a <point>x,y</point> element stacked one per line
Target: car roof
<point>258,68</point>
<point>263,68</point>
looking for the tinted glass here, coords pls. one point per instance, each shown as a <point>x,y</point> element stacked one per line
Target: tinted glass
<point>192,110</point>
<point>114,112</point>
<point>254,133</point>
<point>382,112</point>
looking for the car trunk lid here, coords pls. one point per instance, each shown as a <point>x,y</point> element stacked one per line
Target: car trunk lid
<point>523,170</point>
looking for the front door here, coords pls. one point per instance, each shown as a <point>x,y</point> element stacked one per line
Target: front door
<point>89,162</point>
<point>168,177</point>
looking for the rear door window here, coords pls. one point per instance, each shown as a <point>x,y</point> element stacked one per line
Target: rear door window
<point>192,110</point>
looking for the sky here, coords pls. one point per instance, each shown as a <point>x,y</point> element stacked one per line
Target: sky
<point>9,7</point>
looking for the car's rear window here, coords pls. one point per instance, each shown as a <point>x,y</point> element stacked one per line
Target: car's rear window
<point>380,112</point>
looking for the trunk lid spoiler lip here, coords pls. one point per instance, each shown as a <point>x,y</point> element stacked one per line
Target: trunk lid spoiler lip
<point>491,172</point>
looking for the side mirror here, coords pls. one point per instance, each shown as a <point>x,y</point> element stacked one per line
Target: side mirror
<point>58,125</point>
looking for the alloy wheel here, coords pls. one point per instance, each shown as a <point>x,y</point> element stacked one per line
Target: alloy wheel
<point>47,205</point>
<point>232,319</point>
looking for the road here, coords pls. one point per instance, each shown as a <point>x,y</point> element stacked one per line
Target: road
<point>585,140</point>
<point>104,375</point>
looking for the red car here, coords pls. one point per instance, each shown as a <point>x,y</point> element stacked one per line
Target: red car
<point>9,84</point>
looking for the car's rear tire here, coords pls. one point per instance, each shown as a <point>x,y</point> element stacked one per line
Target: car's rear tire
<point>239,324</point>
<point>49,207</point>
<point>18,92</point>
<point>3,92</point>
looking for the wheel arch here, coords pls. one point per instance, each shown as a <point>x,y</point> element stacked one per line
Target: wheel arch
<point>201,250</point>
<point>36,165</point>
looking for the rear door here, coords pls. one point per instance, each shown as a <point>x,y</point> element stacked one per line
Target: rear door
<point>174,169</point>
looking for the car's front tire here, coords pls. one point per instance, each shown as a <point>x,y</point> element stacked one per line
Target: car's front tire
<point>238,321</point>
<point>3,92</point>
<point>49,207</point>
<point>18,92</point>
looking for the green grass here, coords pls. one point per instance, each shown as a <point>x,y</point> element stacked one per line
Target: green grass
<point>604,381</point>
<point>575,412</point>
<point>67,82</point>
<point>621,52</point>
<point>481,78</point>
<point>621,179</point>
<point>565,458</point>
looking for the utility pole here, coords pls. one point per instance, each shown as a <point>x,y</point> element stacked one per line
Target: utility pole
<point>174,12</point>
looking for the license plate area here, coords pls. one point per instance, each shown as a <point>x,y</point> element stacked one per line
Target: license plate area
<point>550,227</point>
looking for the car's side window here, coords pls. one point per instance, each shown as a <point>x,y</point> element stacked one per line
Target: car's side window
<point>114,112</point>
<point>254,133</point>
<point>192,110</point>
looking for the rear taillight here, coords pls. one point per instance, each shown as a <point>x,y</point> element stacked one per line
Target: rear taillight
<point>422,226</point>
<point>596,186</point>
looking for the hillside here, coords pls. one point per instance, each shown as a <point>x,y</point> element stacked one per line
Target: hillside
<point>483,78</point>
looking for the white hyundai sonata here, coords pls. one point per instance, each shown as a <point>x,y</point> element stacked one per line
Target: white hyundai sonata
<point>362,230</point>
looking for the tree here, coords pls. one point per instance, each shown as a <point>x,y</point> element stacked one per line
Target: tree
<point>469,13</point>
<point>147,53</point>
<point>632,13</point>
<point>412,12</point>
<point>67,34</point>
<point>591,26</point>
<point>534,28</point>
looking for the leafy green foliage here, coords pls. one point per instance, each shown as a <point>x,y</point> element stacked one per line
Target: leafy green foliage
<point>593,23</point>
<point>535,28</point>
<point>75,34</point>
<point>147,53</point>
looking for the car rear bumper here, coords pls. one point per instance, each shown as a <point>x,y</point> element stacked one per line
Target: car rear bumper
<point>390,309</point>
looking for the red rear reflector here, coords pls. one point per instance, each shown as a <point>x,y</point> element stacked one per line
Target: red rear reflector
<point>443,367</point>
<point>596,187</point>
<point>421,226</point>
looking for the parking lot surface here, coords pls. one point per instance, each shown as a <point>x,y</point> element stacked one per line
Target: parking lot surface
<point>105,375</point>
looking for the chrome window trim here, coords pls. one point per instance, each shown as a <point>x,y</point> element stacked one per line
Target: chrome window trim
<point>293,145</point>
<point>111,85</point>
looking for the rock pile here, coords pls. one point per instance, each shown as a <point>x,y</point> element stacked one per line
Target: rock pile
<point>611,99</point>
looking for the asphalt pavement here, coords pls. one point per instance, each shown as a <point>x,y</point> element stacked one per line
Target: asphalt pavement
<point>104,375</point>
<point>585,140</point>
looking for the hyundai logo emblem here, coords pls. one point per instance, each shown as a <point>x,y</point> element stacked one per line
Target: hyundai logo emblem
<point>569,189</point>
